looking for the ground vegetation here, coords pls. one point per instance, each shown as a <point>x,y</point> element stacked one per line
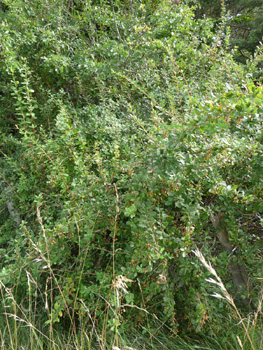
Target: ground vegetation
<point>129,138</point>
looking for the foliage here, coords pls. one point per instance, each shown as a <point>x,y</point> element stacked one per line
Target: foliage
<point>244,19</point>
<point>125,127</point>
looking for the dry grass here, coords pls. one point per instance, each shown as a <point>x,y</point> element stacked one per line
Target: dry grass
<point>247,324</point>
<point>19,330</point>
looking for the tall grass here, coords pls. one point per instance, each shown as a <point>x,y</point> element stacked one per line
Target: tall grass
<point>20,328</point>
<point>249,324</point>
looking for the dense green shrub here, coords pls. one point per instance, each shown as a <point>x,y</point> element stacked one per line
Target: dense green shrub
<point>125,129</point>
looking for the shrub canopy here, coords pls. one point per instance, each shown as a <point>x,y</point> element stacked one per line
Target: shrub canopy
<point>126,127</point>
